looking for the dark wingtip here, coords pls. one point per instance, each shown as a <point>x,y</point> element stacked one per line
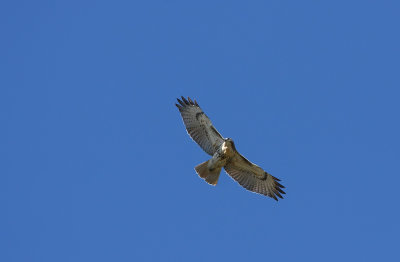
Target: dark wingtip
<point>178,106</point>
<point>280,190</point>
<point>278,194</point>
<point>184,100</point>
<point>180,102</point>
<point>187,102</point>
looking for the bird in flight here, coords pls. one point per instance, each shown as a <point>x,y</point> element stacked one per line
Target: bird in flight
<point>224,154</point>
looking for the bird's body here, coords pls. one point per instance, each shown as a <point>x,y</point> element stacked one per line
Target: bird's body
<point>224,154</point>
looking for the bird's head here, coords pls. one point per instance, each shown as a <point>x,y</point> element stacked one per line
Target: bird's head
<point>230,142</point>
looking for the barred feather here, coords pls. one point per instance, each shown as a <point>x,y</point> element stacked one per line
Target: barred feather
<point>199,126</point>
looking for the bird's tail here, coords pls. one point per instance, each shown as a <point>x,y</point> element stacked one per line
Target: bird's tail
<point>210,176</point>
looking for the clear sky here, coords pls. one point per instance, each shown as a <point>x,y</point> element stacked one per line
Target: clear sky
<point>96,164</point>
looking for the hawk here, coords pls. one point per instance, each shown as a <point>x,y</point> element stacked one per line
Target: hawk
<point>224,154</point>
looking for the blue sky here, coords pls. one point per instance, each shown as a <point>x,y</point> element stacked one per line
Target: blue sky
<point>96,163</point>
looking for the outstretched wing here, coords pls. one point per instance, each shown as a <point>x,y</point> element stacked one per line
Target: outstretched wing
<point>199,126</point>
<point>253,177</point>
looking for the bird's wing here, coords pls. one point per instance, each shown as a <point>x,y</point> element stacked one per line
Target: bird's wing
<point>199,126</point>
<point>253,177</point>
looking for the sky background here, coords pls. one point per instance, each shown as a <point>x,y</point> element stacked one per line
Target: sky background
<point>96,164</point>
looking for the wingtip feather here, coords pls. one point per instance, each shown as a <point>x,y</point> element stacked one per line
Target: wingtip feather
<point>180,102</point>
<point>280,190</point>
<point>278,194</point>
<point>187,102</point>
<point>184,100</point>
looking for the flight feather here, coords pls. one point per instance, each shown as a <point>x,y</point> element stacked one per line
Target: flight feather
<point>199,126</point>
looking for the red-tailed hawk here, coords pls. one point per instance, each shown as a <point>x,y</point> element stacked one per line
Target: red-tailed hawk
<point>224,154</point>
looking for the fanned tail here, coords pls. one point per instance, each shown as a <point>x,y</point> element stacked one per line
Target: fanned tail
<point>210,176</point>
